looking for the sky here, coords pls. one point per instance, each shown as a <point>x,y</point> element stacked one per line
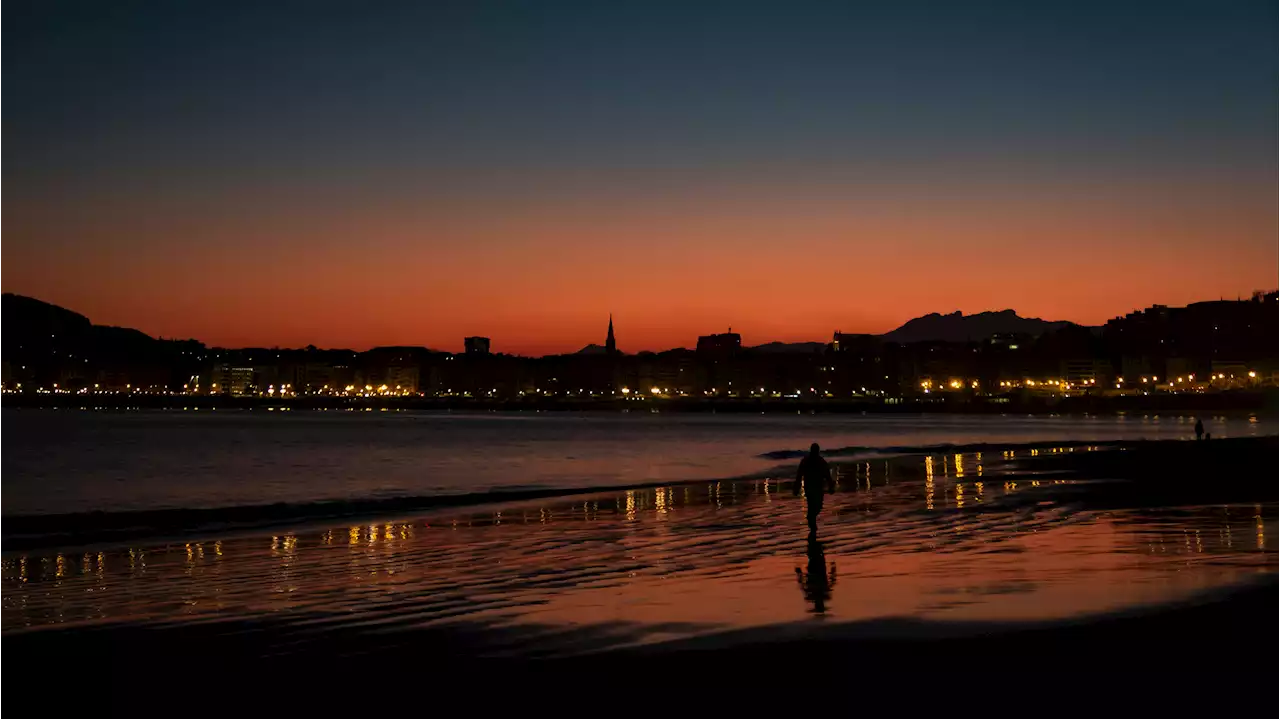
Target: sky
<point>363,174</point>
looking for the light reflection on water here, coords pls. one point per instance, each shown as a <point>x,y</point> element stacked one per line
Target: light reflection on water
<point>948,537</point>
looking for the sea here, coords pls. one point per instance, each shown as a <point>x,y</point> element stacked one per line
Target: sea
<point>69,462</point>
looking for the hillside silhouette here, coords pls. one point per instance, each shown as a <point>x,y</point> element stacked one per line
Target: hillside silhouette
<point>46,336</point>
<point>36,327</point>
<point>959,327</point>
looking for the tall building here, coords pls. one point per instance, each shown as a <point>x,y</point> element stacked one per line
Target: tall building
<point>232,380</point>
<point>401,378</point>
<point>846,342</point>
<point>476,345</point>
<point>722,345</point>
<point>610,345</point>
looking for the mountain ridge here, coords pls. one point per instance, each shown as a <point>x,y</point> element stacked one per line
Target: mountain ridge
<point>959,327</point>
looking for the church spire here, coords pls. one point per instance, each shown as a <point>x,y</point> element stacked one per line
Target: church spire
<point>610,345</point>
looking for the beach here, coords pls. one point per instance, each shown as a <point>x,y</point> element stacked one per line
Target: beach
<point>1081,559</point>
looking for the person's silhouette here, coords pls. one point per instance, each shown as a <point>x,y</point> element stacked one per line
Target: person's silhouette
<point>1199,429</point>
<point>815,477</point>
<point>816,582</point>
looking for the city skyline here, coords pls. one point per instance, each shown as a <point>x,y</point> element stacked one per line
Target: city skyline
<point>1207,347</point>
<point>254,176</point>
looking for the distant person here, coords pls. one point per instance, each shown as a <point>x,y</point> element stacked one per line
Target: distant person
<point>817,581</point>
<point>1199,429</point>
<point>815,477</point>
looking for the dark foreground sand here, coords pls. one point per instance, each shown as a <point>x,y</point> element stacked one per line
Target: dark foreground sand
<point>1216,657</point>
<point>1134,580</point>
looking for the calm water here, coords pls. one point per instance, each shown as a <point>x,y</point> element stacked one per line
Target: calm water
<point>57,461</point>
<point>903,539</point>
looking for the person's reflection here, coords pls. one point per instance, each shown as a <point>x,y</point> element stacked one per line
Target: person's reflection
<point>817,581</point>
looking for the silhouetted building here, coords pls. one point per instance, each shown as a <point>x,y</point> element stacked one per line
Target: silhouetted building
<point>401,378</point>
<point>846,342</point>
<point>721,345</point>
<point>324,371</point>
<point>476,345</point>
<point>1086,372</point>
<point>610,345</point>
<point>392,370</point>
<point>1200,333</point>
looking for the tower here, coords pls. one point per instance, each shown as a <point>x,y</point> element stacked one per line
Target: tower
<point>610,345</point>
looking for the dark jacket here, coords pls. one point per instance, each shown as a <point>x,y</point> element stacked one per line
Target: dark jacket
<point>814,475</point>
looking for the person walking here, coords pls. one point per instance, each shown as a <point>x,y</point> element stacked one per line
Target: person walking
<point>814,476</point>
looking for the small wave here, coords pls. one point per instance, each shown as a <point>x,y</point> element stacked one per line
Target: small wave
<point>947,447</point>
<point>798,453</point>
<point>22,532</point>
<point>32,531</point>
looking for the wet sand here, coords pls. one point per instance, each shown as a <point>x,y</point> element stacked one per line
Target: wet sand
<point>987,571</point>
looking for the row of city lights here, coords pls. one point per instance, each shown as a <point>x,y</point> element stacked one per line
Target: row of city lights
<point>1047,383</point>
<point>1153,379</point>
<point>369,390</point>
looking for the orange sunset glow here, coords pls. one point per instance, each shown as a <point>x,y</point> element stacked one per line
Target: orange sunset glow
<point>541,275</point>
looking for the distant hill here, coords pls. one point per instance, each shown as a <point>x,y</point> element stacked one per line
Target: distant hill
<point>793,347</point>
<point>959,327</point>
<point>45,343</point>
<point>34,329</point>
<point>28,317</point>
